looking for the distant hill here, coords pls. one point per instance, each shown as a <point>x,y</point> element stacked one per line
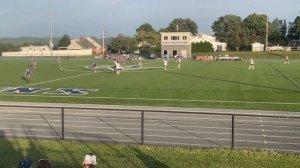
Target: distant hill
<point>20,40</point>
<point>42,40</point>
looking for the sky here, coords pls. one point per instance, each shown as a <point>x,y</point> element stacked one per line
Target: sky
<point>30,18</point>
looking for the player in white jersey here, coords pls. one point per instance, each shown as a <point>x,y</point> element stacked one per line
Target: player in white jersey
<point>252,63</point>
<point>287,60</point>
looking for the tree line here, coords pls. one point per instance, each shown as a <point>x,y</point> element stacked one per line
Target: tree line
<point>238,33</point>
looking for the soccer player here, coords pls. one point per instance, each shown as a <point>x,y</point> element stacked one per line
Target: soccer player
<point>140,61</point>
<point>117,67</point>
<point>58,61</point>
<point>178,62</point>
<point>28,74</point>
<point>94,66</point>
<point>34,63</point>
<point>251,64</point>
<point>165,60</point>
<point>286,60</point>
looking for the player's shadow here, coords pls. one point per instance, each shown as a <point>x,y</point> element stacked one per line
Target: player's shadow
<point>24,78</point>
<point>235,82</point>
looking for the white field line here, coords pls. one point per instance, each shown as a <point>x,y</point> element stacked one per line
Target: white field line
<point>22,111</point>
<point>99,139</point>
<point>157,135</point>
<point>107,67</point>
<point>137,119</point>
<point>30,129</point>
<point>159,125</point>
<point>133,98</point>
<point>124,123</point>
<point>147,99</point>
<point>132,124</point>
<point>32,136</point>
<point>111,122</point>
<point>169,119</point>
<point>54,80</point>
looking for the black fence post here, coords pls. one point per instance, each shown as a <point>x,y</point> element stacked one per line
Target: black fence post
<point>62,123</point>
<point>232,131</point>
<point>142,127</point>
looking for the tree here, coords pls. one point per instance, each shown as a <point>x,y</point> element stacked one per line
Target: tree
<point>294,29</point>
<point>121,42</point>
<point>283,31</point>
<point>202,47</point>
<point>229,29</point>
<point>256,26</point>
<point>277,32</point>
<point>147,38</point>
<point>8,47</point>
<point>146,27</point>
<point>64,41</point>
<point>183,25</point>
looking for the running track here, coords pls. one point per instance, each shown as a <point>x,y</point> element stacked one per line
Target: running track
<point>173,129</point>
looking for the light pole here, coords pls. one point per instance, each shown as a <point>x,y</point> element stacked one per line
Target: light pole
<point>50,24</point>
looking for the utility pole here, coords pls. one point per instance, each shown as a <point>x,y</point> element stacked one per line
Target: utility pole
<point>299,34</point>
<point>267,32</point>
<point>103,44</point>
<point>50,24</point>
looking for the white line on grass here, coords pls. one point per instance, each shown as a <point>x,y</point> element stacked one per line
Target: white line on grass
<point>152,99</point>
<point>54,80</point>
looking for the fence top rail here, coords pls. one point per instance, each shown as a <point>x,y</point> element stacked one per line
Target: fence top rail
<point>221,113</point>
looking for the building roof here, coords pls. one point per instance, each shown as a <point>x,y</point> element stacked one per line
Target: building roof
<point>88,42</point>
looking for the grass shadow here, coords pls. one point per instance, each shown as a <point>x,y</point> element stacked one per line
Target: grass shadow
<point>148,161</point>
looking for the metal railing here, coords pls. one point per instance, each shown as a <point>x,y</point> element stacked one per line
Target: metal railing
<point>156,127</point>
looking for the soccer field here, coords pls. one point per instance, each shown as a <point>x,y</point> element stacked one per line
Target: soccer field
<point>273,85</point>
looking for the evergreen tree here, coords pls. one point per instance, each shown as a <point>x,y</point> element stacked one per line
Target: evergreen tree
<point>64,41</point>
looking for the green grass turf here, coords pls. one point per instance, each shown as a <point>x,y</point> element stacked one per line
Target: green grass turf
<point>271,86</point>
<point>69,154</point>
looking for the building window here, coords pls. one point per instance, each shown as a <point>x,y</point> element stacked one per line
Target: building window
<point>165,37</point>
<point>184,38</point>
<point>174,37</point>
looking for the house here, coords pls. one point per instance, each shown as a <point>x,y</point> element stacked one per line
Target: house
<point>86,43</point>
<point>176,43</point>
<point>217,46</point>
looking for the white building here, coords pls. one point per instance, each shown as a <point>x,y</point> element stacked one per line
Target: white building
<point>45,51</point>
<point>176,43</point>
<point>257,47</point>
<point>217,46</point>
<point>35,48</point>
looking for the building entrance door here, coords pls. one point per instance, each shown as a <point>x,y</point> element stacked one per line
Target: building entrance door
<point>174,52</point>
